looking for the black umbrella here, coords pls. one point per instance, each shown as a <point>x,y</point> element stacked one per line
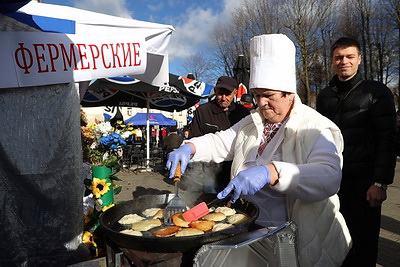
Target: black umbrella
<point>181,93</point>
<point>241,73</point>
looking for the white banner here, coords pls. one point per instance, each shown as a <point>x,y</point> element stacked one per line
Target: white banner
<point>39,58</point>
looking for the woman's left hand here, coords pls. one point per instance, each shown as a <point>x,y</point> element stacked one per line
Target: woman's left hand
<point>247,182</point>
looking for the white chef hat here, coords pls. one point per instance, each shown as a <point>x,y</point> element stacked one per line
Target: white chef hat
<point>272,63</point>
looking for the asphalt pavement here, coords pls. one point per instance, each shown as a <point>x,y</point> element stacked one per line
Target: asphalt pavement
<point>141,182</point>
<point>389,239</point>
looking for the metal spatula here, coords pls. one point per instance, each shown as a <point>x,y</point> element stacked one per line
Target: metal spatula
<point>176,204</point>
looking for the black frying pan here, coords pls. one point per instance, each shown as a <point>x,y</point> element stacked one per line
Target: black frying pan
<point>109,223</point>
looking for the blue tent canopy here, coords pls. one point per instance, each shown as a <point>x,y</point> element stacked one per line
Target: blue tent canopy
<point>154,119</point>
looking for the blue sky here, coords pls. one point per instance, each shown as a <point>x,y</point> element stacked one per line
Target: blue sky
<point>193,20</point>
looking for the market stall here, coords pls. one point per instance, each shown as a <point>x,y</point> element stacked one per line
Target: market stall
<point>45,50</point>
<point>154,119</point>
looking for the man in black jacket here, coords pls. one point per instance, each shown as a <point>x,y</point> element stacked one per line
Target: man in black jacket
<point>220,113</point>
<point>216,115</point>
<point>365,112</point>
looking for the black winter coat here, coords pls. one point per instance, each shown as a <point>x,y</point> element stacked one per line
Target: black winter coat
<point>367,118</point>
<point>211,118</point>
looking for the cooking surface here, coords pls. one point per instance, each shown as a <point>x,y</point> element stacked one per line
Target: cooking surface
<point>169,244</point>
<point>119,227</point>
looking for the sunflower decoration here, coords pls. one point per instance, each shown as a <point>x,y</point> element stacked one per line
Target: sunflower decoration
<point>88,240</point>
<point>93,207</point>
<point>99,187</point>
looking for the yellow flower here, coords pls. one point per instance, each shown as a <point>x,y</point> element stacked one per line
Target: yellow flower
<point>88,239</point>
<point>109,206</point>
<point>88,133</point>
<point>99,187</point>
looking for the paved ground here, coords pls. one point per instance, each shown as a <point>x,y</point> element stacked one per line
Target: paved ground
<point>389,241</point>
<point>140,183</point>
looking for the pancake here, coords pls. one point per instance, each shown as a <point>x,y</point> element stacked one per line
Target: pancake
<point>131,232</point>
<point>238,219</point>
<point>178,220</point>
<point>150,212</point>
<point>225,210</point>
<point>189,232</point>
<point>215,216</point>
<point>202,225</point>
<point>130,218</point>
<point>167,231</point>
<point>146,225</point>
<point>221,226</point>
<point>159,214</point>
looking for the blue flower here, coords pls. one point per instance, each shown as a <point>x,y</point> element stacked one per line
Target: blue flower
<point>114,147</point>
<point>106,151</point>
<point>115,136</point>
<point>105,140</point>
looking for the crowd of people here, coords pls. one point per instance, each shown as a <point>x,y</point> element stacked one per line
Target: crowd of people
<point>158,135</point>
<point>163,139</point>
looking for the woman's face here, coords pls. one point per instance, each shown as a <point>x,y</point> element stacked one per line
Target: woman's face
<point>274,105</point>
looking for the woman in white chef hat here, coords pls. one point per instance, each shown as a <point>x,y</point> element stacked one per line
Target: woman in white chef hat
<point>287,158</point>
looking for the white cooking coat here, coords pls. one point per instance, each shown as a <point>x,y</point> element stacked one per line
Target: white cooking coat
<point>272,202</point>
<point>309,171</point>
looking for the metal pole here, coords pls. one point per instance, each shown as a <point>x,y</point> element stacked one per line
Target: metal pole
<point>147,134</point>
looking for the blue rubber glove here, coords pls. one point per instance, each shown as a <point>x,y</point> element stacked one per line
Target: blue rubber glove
<point>247,182</point>
<point>182,154</point>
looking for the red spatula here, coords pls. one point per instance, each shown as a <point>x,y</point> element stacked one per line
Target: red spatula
<point>196,212</point>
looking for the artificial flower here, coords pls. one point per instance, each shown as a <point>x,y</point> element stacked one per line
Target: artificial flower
<point>99,187</point>
<point>101,143</point>
<point>88,239</point>
<point>102,146</point>
<point>99,204</point>
<point>88,204</point>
